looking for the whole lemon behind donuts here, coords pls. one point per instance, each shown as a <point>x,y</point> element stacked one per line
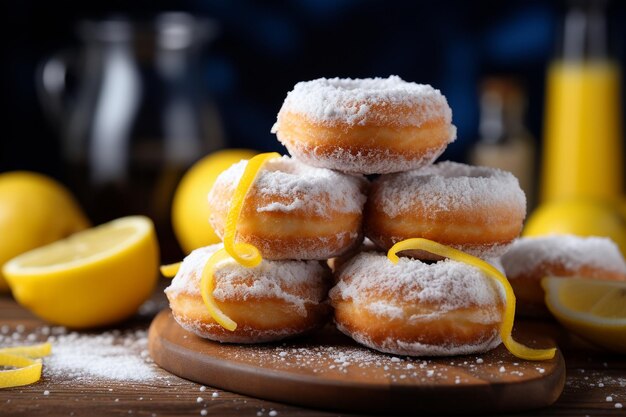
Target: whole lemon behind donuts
<point>190,209</point>
<point>34,210</point>
<point>582,217</point>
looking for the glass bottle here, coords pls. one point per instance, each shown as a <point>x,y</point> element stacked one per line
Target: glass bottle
<point>504,141</point>
<point>137,118</point>
<point>582,154</point>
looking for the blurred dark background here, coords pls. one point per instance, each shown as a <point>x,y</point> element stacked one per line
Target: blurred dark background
<point>258,50</point>
<point>263,48</point>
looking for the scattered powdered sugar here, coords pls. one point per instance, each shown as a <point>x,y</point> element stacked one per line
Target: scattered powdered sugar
<point>270,279</point>
<point>106,356</point>
<point>572,252</point>
<point>451,285</point>
<point>450,186</point>
<point>89,357</point>
<point>342,360</point>
<point>290,185</point>
<point>359,102</point>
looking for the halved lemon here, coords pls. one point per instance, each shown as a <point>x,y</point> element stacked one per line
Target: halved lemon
<point>93,278</point>
<point>593,309</point>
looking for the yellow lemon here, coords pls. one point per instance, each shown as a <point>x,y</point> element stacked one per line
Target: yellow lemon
<point>580,217</point>
<point>34,210</point>
<point>93,278</point>
<point>593,309</point>
<point>190,210</point>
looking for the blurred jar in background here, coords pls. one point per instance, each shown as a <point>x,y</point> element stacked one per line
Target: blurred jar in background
<point>582,155</point>
<point>504,141</point>
<point>137,116</point>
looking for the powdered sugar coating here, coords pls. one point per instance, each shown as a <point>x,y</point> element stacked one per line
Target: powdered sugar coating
<point>449,284</point>
<point>299,187</point>
<point>399,347</point>
<point>358,101</point>
<point>270,279</point>
<point>426,299</point>
<point>245,334</point>
<point>573,252</point>
<point>450,186</point>
<point>366,161</point>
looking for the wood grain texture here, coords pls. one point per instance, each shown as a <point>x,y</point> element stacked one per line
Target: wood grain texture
<point>329,370</point>
<point>591,376</point>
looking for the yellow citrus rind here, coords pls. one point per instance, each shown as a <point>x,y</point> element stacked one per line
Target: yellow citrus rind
<point>26,363</point>
<point>170,270</point>
<point>190,211</point>
<point>506,327</point>
<point>207,284</point>
<point>244,253</point>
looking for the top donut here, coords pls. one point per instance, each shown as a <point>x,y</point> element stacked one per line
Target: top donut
<point>365,126</point>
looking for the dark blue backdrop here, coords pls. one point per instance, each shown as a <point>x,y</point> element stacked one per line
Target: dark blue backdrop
<point>265,47</point>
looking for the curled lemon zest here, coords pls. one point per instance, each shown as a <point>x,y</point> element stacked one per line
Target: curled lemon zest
<point>506,327</point>
<point>170,270</point>
<point>207,284</point>
<point>33,351</point>
<point>244,253</point>
<point>26,363</point>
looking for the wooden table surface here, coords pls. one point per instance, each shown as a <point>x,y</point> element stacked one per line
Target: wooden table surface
<point>596,385</point>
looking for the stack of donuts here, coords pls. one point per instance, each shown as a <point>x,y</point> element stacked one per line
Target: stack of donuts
<point>361,165</point>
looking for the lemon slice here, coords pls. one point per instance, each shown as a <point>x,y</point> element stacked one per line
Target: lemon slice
<point>593,309</point>
<point>93,278</point>
<point>27,369</point>
<point>244,253</point>
<point>517,349</point>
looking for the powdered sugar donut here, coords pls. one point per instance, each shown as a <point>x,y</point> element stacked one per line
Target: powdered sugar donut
<point>365,126</point>
<point>293,211</point>
<point>272,301</point>
<point>478,210</point>
<point>532,258</point>
<point>413,308</point>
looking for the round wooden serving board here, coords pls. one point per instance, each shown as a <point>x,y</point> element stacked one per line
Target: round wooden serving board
<point>328,370</point>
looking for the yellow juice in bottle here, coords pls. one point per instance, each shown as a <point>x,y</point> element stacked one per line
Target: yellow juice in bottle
<point>583,132</point>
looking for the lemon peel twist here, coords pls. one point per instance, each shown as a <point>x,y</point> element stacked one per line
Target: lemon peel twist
<point>170,270</point>
<point>25,360</point>
<point>506,327</point>
<point>245,254</point>
<point>207,284</point>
